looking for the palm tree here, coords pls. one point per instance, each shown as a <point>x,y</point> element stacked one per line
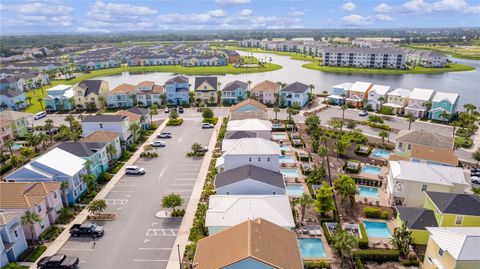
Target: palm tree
<point>311,87</point>
<point>401,239</point>
<point>91,182</point>
<point>344,243</point>
<point>64,187</point>
<point>134,128</point>
<point>381,99</point>
<point>410,119</point>
<point>43,138</point>
<point>324,93</point>
<point>345,187</point>
<point>351,124</point>
<point>48,127</point>
<point>29,99</point>
<point>249,83</point>
<point>40,102</point>
<point>334,124</point>
<point>305,201</point>
<point>276,109</point>
<point>340,147</point>
<point>102,100</point>
<point>470,108</point>
<point>324,139</point>
<point>33,140</point>
<point>444,115</point>
<point>383,135</point>
<point>30,219</point>
<point>8,142</point>
<point>70,119</point>
<point>111,150</point>
<point>343,107</point>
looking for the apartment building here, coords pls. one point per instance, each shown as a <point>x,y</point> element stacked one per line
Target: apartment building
<point>390,58</point>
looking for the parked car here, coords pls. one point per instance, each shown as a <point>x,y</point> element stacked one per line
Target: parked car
<point>164,135</point>
<point>207,125</point>
<point>39,115</point>
<point>134,170</point>
<point>52,131</point>
<point>58,261</point>
<point>204,148</point>
<point>86,229</point>
<point>475,179</point>
<point>158,143</point>
<point>363,113</point>
<point>167,110</point>
<point>180,109</point>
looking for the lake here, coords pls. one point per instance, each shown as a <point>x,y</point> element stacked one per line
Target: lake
<point>467,84</point>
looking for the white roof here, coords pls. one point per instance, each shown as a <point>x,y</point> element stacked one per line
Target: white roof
<point>253,146</point>
<point>230,210</point>
<point>428,173</point>
<point>227,144</point>
<point>360,86</point>
<point>346,86</point>
<point>61,161</point>
<point>249,125</point>
<point>380,89</point>
<point>440,96</point>
<point>461,242</point>
<point>60,87</point>
<point>400,92</point>
<point>421,94</point>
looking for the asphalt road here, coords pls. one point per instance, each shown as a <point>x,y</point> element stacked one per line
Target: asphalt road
<point>139,239</point>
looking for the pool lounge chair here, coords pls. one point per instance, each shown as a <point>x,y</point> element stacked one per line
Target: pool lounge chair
<point>311,231</point>
<point>317,230</point>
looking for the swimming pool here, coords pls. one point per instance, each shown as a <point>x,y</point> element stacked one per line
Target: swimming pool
<point>16,146</point>
<point>286,159</point>
<point>369,192</point>
<point>289,172</point>
<point>373,170</point>
<point>295,190</point>
<point>377,229</point>
<point>380,153</point>
<point>311,248</point>
<point>279,137</point>
<point>285,148</point>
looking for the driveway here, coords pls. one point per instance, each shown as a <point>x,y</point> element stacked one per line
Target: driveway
<point>138,239</point>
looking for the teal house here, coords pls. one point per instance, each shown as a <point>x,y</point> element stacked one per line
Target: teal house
<point>58,98</point>
<point>234,92</point>
<point>443,103</point>
<point>95,153</point>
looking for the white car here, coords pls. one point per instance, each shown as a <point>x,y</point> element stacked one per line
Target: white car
<point>475,179</point>
<point>363,113</point>
<point>134,170</point>
<point>158,143</point>
<point>40,115</point>
<point>207,125</point>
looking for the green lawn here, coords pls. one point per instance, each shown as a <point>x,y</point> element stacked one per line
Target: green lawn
<point>293,55</point>
<point>417,70</point>
<point>471,52</point>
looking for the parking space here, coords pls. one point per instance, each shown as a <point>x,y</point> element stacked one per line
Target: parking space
<point>138,239</point>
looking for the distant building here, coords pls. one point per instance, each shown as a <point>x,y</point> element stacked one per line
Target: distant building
<point>386,58</point>
<point>427,58</point>
<point>250,43</point>
<point>12,99</point>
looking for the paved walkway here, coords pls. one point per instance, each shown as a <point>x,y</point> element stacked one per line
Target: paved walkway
<point>58,243</point>
<point>182,238</point>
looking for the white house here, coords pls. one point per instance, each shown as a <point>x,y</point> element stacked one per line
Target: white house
<point>249,180</point>
<point>416,102</point>
<point>406,181</point>
<point>397,100</point>
<point>260,128</point>
<point>374,95</point>
<point>114,123</point>
<point>229,210</point>
<point>255,151</point>
<point>294,94</point>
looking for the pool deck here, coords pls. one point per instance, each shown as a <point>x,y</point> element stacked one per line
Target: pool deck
<point>380,176</point>
<point>382,197</point>
<point>380,242</point>
<point>326,247</point>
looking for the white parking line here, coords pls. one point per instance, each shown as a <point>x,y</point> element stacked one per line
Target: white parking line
<point>116,201</point>
<point>185,179</point>
<point>155,248</point>
<point>137,260</point>
<point>161,232</point>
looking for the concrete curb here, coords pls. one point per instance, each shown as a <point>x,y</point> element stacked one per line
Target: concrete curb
<point>184,231</point>
<point>57,244</point>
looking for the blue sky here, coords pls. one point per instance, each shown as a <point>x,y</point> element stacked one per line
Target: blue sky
<point>108,16</point>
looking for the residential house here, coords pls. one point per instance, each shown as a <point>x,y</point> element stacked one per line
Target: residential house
<point>145,116</point>
<point>234,92</point>
<point>454,209</point>
<point>46,169</point>
<point>443,104</point>
<point>177,90</point>
<point>406,181</point>
<point>452,248</point>
<point>5,132</point>
<point>115,123</point>
<point>249,109</point>
<point>339,93</point>
<point>149,93</point>
<point>9,83</point>
<point>225,211</point>
<point>121,96</point>
<point>18,121</point>
<point>397,100</point>
<point>249,180</point>
<point>265,92</point>
<point>252,244</point>
<point>255,151</point>
<point>94,153</point>
<point>425,147</point>
<point>60,98</point>
<point>417,220</point>
<point>262,128</point>
<point>133,118</point>
<point>12,238</point>
<point>41,198</point>
<point>294,94</point>
<point>377,96</point>
<point>91,94</point>
<point>108,137</point>
<point>206,89</point>
<point>12,99</point>
<point>416,102</point>
<point>358,94</point>
<point>233,57</point>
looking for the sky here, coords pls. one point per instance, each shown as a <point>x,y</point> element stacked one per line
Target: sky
<point>109,16</point>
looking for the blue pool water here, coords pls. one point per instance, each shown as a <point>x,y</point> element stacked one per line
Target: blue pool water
<point>295,190</point>
<point>285,148</point>
<point>368,169</point>
<point>286,159</point>
<point>289,172</point>
<point>311,248</point>
<point>279,137</point>
<point>16,146</point>
<point>377,229</point>
<point>369,192</point>
<point>380,153</point>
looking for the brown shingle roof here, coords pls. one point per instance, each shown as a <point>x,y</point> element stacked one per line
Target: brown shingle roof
<point>131,116</point>
<point>434,154</point>
<point>249,102</point>
<point>424,138</point>
<point>101,136</point>
<point>257,239</point>
<point>124,88</point>
<point>265,85</point>
<point>146,83</point>
<point>25,194</point>
<point>6,217</point>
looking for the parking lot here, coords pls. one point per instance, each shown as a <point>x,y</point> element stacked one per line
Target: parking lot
<point>139,239</point>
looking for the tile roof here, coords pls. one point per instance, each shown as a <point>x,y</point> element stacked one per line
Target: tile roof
<point>427,173</point>
<point>295,87</point>
<point>177,79</point>
<point>234,85</point>
<point>104,118</point>
<point>265,85</point>
<point>9,115</point>
<point>439,155</point>
<point>250,172</point>
<point>460,242</point>
<point>101,136</point>
<point>259,239</point>
<point>212,81</point>
<point>456,203</point>
<point>91,86</point>
<point>123,88</point>
<point>6,217</point>
<point>424,138</point>
<point>417,218</point>
<point>146,84</point>
<point>133,117</point>
<point>249,102</point>
<point>25,194</point>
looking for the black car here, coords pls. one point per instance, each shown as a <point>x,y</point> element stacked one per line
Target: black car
<point>58,261</point>
<point>180,110</point>
<point>86,229</point>
<point>52,131</point>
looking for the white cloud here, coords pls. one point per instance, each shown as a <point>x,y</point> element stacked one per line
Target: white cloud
<point>421,6</point>
<point>121,9</point>
<point>383,8</point>
<point>295,13</point>
<point>383,17</point>
<point>217,13</point>
<point>38,8</point>
<point>356,20</point>
<point>416,6</point>
<point>38,13</point>
<point>232,2</point>
<point>349,6</point>
<point>455,5</point>
<point>245,12</point>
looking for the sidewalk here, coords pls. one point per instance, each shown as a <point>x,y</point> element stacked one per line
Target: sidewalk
<point>57,244</point>
<point>184,231</point>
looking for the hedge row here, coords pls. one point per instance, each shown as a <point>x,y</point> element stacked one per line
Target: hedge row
<point>175,122</point>
<point>317,264</point>
<point>363,242</point>
<point>375,213</point>
<point>377,255</point>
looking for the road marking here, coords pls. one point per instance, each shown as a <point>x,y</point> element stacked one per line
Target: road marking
<point>136,260</point>
<point>161,232</point>
<point>155,248</point>
<point>182,184</point>
<point>161,172</point>
<point>116,201</point>
<point>184,179</point>
<point>122,191</point>
<point>78,249</point>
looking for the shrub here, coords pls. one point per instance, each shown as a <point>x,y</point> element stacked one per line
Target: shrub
<point>114,169</point>
<point>359,152</point>
<point>13,265</point>
<point>175,122</point>
<point>359,263</point>
<point>104,177</point>
<point>384,215</point>
<point>377,255</point>
<point>35,253</point>
<point>178,213</point>
<point>190,251</point>
<point>198,230</point>
<point>410,262</point>
<point>65,216</point>
<point>51,233</point>
<point>213,120</point>
<point>375,213</point>
<point>314,264</point>
<point>326,232</point>
<point>363,242</point>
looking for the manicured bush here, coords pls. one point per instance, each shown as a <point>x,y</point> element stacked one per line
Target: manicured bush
<point>178,213</point>
<point>316,264</point>
<point>65,216</point>
<point>213,120</point>
<point>410,262</point>
<point>13,265</point>
<point>326,232</point>
<point>363,242</point>
<point>190,251</point>
<point>175,122</point>
<point>198,230</point>
<point>51,233</point>
<point>359,263</point>
<point>35,253</point>
<point>359,152</point>
<point>375,213</point>
<point>377,255</point>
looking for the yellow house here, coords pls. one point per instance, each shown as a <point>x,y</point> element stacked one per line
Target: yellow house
<point>206,89</point>
<point>453,248</point>
<point>91,94</point>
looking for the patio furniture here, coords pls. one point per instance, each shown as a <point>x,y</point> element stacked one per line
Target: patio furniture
<point>377,202</point>
<point>317,230</point>
<point>311,231</point>
<point>365,200</point>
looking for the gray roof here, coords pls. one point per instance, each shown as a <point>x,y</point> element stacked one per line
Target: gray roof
<point>210,80</point>
<point>236,84</point>
<point>424,138</point>
<point>239,134</point>
<point>177,79</point>
<point>456,203</point>
<point>9,80</point>
<point>76,148</point>
<point>104,118</point>
<point>11,92</point>
<point>345,49</point>
<point>250,171</point>
<point>417,218</point>
<point>90,86</point>
<point>139,110</point>
<point>295,87</point>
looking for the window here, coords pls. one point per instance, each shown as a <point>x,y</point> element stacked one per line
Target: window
<point>259,159</point>
<point>39,208</point>
<point>440,252</point>
<point>459,220</point>
<point>249,159</point>
<point>42,224</point>
<point>55,195</point>
<point>15,233</point>
<point>81,187</point>
<point>400,145</point>
<point>75,193</point>
<point>92,99</point>
<point>409,146</point>
<point>79,92</point>
<point>101,125</point>
<point>268,159</point>
<point>424,187</point>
